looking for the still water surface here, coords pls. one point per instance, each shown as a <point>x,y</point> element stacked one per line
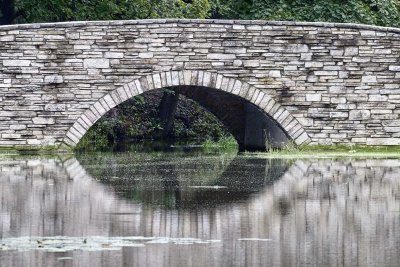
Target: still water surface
<point>180,209</point>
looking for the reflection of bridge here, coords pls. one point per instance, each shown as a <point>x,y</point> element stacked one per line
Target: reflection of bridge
<point>188,182</point>
<point>346,212</point>
<point>306,82</point>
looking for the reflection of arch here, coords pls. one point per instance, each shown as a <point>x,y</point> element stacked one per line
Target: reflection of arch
<point>188,185</point>
<point>262,101</point>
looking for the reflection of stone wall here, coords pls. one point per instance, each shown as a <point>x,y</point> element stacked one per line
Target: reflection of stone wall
<point>50,197</point>
<point>333,213</point>
<point>321,212</point>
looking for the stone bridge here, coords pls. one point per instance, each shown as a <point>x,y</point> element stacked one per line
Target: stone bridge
<point>268,82</point>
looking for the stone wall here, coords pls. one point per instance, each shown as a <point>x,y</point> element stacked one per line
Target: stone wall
<point>323,83</point>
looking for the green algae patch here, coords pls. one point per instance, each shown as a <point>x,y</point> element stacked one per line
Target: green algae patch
<point>36,150</point>
<point>333,151</point>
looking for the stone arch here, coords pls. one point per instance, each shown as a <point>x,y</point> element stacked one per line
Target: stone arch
<point>289,124</point>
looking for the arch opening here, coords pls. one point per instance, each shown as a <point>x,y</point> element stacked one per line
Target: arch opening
<point>255,120</point>
<point>253,129</point>
<point>157,119</point>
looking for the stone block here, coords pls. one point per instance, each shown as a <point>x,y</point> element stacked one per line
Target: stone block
<point>113,55</point>
<point>10,136</point>
<point>54,107</point>
<point>221,56</point>
<point>338,100</point>
<point>368,33</point>
<point>289,68</point>
<point>351,51</point>
<point>99,108</point>
<point>109,100</point>
<point>18,127</point>
<point>336,52</point>
<point>82,47</point>
<point>383,141</point>
<point>7,38</point>
<point>146,55</point>
<point>297,48</point>
<point>196,45</point>
<point>237,63</point>
<point>338,114</point>
<point>392,129</point>
<point>302,139</point>
<point>175,78</point>
<point>306,56</point>
<point>53,79</point>
<point>361,140</point>
<point>275,73</point>
<point>157,81</point>
<point>306,122</point>
<point>394,68</point>
<point>383,51</point>
<point>359,115</point>
<point>149,40</point>
<point>43,120</point>
<point>19,113</point>
<point>325,73</point>
<point>368,79</point>
<point>313,97</point>
<point>377,98</point>
<point>33,142</point>
<point>361,59</point>
<point>251,63</point>
<point>238,27</point>
<point>54,37</point>
<point>16,63</point>
<point>314,64</point>
<point>206,79</point>
<point>345,106</point>
<point>96,63</point>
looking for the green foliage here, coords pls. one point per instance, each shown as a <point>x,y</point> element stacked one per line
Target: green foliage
<point>224,142</point>
<point>378,12</point>
<point>73,10</point>
<point>138,119</point>
<point>194,123</point>
<point>100,138</point>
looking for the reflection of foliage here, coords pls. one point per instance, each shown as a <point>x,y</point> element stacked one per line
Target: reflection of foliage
<point>162,198</point>
<point>183,180</point>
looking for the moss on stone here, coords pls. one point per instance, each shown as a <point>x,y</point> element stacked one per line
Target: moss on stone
<point>36,150</point>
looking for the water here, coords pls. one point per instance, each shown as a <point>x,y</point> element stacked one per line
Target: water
<point>196,209</point>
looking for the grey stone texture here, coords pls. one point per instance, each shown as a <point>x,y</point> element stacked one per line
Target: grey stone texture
<point>323,83</point>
